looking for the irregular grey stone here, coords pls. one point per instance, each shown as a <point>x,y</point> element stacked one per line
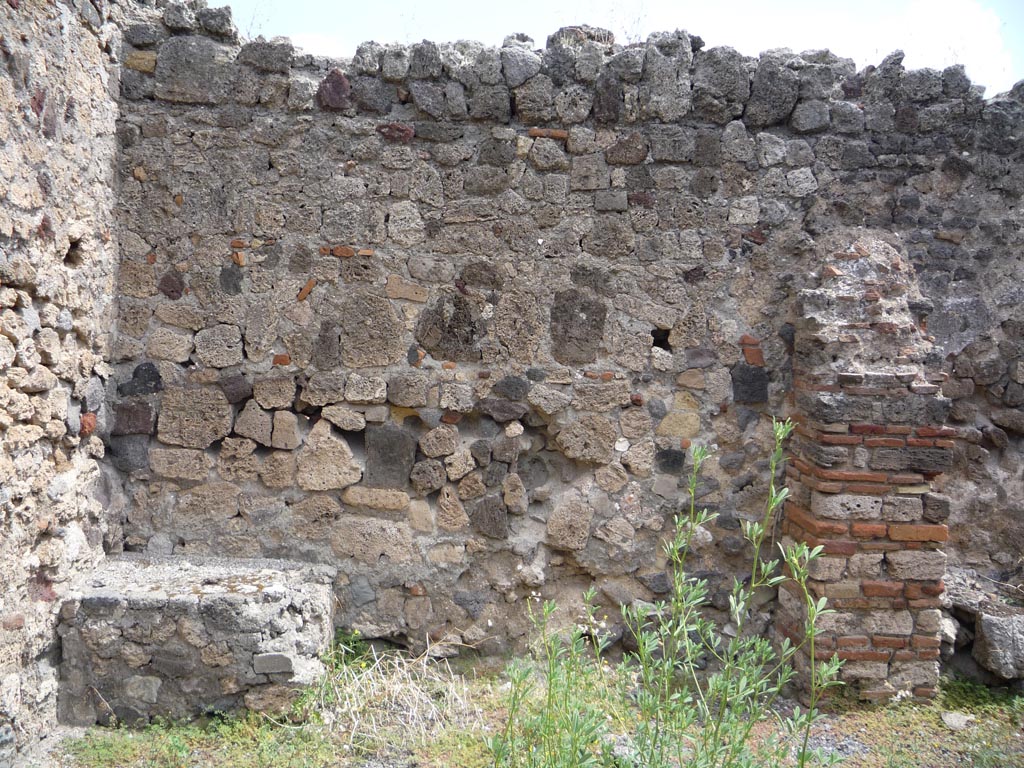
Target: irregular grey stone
<point>999,639</point>
<point>194,70</point>
<point>518,65</point>
<point>590,438</point>
<point>489,516</point>
<point>194,417</point>
<point>390,456</point>
<point>441,441</point>
<point>568,526</point>
<point>371,333</point>
<point>273,56</point>
<point>325,462</point>
<point>427,476</point>
<point>721,84</point>
<point>219,346</point>
<point>773,94</point>
<point>810,117</point>
<point>577,327</point>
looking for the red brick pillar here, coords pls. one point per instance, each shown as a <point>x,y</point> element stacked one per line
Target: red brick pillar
<point>869,441</point>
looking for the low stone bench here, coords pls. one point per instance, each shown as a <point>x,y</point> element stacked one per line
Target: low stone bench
<point>174,637</point>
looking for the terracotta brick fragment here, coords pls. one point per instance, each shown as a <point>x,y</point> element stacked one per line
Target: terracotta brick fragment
<point>343,251</point>
<point>867,429</point>
<point>238,243</point>
<point>548,133</point>
<point>282,359</point>
<point>906,532</point>
<point>882,588</point>
<point>852,641</point>
<point>864,655</point>
<point>306,289</point>
<point>888,641</point>
<point>866,488</point>
<point>753,356</point>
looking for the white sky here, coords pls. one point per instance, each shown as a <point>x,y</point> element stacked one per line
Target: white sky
<point>986,36</point>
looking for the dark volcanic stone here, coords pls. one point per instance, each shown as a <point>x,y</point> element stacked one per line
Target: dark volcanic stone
<point>231,279</point>
<point>327,350</point>
<point>428,476</point>
<point>171,285</point>
<point>577,327</point>
<point>608,99</point>
<point>749,384</point>
<point>450,330</point>
<point>501,410</point>
<point>670,461</point>
<point>472,602</point>
<point>372,94</point>
<point>129,453</point>
<point>511,387</point>
<point>390,456</point>
<point>494,473</point>
<point>146,380</point>
<point>659,583</point>
<point>335,92</point>
<point>481,451</point>
<point>489,516</point>
<point>236,388</point>
<point>133,419</point>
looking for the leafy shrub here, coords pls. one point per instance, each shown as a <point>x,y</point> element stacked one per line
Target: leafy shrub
<point>684,714</point>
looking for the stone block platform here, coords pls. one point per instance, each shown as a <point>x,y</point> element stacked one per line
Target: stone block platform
<point>148,637</point>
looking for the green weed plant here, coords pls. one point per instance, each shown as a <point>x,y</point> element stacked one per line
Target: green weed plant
<point>697,694</point>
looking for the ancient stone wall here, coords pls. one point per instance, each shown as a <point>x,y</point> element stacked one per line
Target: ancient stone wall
<point>448,317</point>
<point>58,258</point>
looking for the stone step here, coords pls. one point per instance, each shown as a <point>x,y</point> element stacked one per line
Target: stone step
<point>146,637</point>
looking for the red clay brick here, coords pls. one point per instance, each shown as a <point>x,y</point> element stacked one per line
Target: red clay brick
<point>840,440</point>
<point>936,432</point>
<point>898,429</point>
<point>925,641</point>
<point>906,478</point>
<point>883,442</point>
<point>877,490</point>
<point>867,530</point>
<point>850,476</point>
<point>908,532</point>
<point>882,588</point>
<point>867,429</point>
<point>840,547</point>
<point>811,524</point>
<point>754,356</point>
<point>864,655</point>
<point>853,641</point>
<point>888,641</point>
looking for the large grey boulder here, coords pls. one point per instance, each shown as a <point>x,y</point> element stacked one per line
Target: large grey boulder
<point>999,639</point>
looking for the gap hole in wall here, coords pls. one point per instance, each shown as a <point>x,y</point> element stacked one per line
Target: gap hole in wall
<point>74,255</point>
<point>659,338</point>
